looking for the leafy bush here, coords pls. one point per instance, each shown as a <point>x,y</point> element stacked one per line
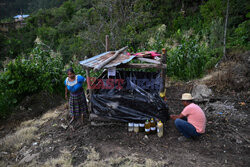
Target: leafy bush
<point>79,27</point>
<point>188,60</point>
<point>240,37</point>
<point>211,10</point>
<point>48,35</point>
<point>24,76</point>
<point>157,41</point>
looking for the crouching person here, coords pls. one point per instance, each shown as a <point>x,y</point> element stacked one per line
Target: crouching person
<point>196,119</point>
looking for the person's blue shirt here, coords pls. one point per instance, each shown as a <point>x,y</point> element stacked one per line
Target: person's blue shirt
<point>76,84</point>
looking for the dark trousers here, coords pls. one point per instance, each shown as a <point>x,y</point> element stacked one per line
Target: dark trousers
<point>187,129</point>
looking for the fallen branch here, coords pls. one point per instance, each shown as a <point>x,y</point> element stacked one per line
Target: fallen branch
<point>98,67</point>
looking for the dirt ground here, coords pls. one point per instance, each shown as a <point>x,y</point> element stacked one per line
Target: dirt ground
<point>46,143</point>
<point>30,107</point>
<point>115,146</point>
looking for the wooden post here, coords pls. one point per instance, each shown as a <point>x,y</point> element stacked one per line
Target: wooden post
<point>107,43</point>
<point>90,90</point>
<point>163,70</point>
<point>225,32</point>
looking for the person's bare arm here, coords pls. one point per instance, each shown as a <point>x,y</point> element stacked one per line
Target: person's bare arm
<point>174,117</point>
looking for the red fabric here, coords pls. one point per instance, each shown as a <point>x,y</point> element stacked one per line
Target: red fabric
<point>151,53</point>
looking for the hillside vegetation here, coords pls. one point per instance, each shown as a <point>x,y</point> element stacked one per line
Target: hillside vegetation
<point>10,8</point>
<point>191,30</point>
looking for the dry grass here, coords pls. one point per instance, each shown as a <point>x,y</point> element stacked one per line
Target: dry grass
<point>27,123</point>
<point>2,163</point>
<point>93,160</point>
<point>124,161</point>
<point>25,132</point>
<point>39,122</point>
<point>93,156</point>
<point>16,140</point>
<point>49,115</point>
<point>64,160</point>
<point>229,75</point>
<point>33,122</point>
<point>152,163</point>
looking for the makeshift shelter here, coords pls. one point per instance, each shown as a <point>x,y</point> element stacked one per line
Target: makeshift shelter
<point>120,94</point>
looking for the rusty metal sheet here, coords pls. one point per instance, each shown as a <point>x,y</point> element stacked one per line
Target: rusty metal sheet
<point>96,60</point>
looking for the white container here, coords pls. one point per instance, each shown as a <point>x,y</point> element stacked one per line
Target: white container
<point>130,127</point>
<point>136,127</point>
<point>141,127</point>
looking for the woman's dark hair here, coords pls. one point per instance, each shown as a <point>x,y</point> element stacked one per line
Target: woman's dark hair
<point>70,70</point>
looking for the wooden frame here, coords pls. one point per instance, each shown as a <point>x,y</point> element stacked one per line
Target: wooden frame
<point>161,65</point>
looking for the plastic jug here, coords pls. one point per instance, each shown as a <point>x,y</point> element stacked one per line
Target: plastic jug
<point>159,129</point>
<point>136,127</point>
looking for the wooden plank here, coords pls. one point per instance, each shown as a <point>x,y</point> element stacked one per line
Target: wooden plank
<point>163,70</point>
<point>149,60</point>
<point>98,67</point>
<point>90,90</point>
<point>92,123</point>
<point>142,66</point>
<point>94,117</point>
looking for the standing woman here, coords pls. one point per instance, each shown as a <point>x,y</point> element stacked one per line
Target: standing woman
<point>77,100</point>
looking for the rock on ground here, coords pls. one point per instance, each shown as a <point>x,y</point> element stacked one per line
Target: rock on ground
<point>201,93</point>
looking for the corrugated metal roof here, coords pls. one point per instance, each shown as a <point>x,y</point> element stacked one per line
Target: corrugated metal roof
<point>18,16</point>
<point>96,60</point>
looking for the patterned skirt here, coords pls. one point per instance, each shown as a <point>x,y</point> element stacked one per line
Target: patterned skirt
<point>77,103</point>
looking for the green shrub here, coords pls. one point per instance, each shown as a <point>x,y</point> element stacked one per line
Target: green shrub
<point>156,41</point>
<point>24,76</point>
<point>211,10</point>
<point>188,60</point>
<point>48,35</point>
<point>240,36</point>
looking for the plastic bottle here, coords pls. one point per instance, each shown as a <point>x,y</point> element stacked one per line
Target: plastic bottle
<point>152,126</point>
<point>130,127</point>
<point>136,127</point>
<point>141,127</point>
<point>160,129</point>
<point>147,127</point>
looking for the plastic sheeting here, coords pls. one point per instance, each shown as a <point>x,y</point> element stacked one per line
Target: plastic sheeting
<point>133,96</point>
